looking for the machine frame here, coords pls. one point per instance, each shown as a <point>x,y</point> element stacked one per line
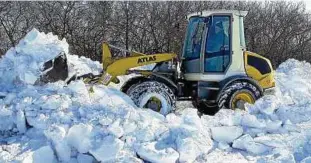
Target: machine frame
<point>210,88</point>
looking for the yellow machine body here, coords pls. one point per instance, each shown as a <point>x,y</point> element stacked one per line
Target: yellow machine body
<point>265,80</point>
<point>116,67</point>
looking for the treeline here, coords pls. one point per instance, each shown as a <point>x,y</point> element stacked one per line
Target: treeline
<point>276,29</point>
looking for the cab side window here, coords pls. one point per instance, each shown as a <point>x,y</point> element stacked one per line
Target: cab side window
<point>260,64</point>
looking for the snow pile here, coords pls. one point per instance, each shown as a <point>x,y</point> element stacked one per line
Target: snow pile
<point>71,124</point>
<point>68,123</point>
<point>106,125</point>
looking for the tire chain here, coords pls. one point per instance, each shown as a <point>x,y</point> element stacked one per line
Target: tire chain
<point>137,90</point>
<point>237,85</point>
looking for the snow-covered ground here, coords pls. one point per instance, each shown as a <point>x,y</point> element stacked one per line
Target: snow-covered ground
<point>67,123</point>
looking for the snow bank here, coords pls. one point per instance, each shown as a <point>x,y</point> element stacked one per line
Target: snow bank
<point>70,124</point>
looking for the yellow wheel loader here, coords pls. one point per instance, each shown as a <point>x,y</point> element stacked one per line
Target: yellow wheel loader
<point>213,71</point>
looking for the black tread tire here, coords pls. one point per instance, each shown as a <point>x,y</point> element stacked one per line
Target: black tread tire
<point>139,90</point>
<point>132,82</point>
<point>226,95</point>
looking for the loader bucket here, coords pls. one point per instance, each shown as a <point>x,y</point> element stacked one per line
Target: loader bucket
<point>54,70</point>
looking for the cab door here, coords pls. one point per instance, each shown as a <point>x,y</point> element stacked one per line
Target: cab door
<point>193,45</point>
<point>217,52</point>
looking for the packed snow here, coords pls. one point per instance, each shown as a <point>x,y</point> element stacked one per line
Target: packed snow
<point>68,123</point>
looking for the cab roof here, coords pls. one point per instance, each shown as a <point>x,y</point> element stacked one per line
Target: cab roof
<point>210,12</point>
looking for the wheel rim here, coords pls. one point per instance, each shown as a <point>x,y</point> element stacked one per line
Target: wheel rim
<point>241,98</point>
<point>154,104</point>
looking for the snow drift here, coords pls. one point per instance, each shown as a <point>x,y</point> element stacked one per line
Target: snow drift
<point>67,123</point>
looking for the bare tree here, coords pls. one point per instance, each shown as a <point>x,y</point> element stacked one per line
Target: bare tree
<point>275,29</point>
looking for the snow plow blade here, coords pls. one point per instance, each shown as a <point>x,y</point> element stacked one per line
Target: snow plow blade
<point>54,70</point>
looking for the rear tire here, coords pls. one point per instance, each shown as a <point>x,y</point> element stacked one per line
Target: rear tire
<point>228,96</point>
<point>142,93</point>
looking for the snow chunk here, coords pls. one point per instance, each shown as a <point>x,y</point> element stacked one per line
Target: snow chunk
<point>63,151</point>
<point>190,136</point>
<point>265,140</point>
<point>224,146</point>
<point>108,150</point>
<point>81,65</point>
<point>53,102</point>
<point>4,156</point>
<point>241,142</point>
<point>30,78</point>
<point>289,126</point>
<point>226,133</point>
<point>256,148</point>
<point>6,118</point>
<point>21,121</point>
<point>9,98</point>
<point>83,158</point>
<point>306,160</point>
<point>273,126</point>
<point>57,134</point>
<point>251,121</point>
<point>246,142</point>
<point>187,149</point>
<point>79,137</point>
<point>44,154</point>
<point>219,156</point>
<point>149,152</point>
<point>115,129</point>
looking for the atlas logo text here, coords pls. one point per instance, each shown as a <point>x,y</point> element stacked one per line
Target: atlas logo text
<point>147,59</point>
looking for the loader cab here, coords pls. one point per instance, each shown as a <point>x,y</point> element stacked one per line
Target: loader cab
<point>214,58</point>
<point>209,50</point>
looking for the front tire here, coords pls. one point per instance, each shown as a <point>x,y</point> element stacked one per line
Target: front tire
<point>153,95</point>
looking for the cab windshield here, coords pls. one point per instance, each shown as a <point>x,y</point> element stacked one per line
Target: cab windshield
<point>194,36</point>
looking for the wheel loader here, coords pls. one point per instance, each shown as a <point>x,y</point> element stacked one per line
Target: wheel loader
<point>214,70</point>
